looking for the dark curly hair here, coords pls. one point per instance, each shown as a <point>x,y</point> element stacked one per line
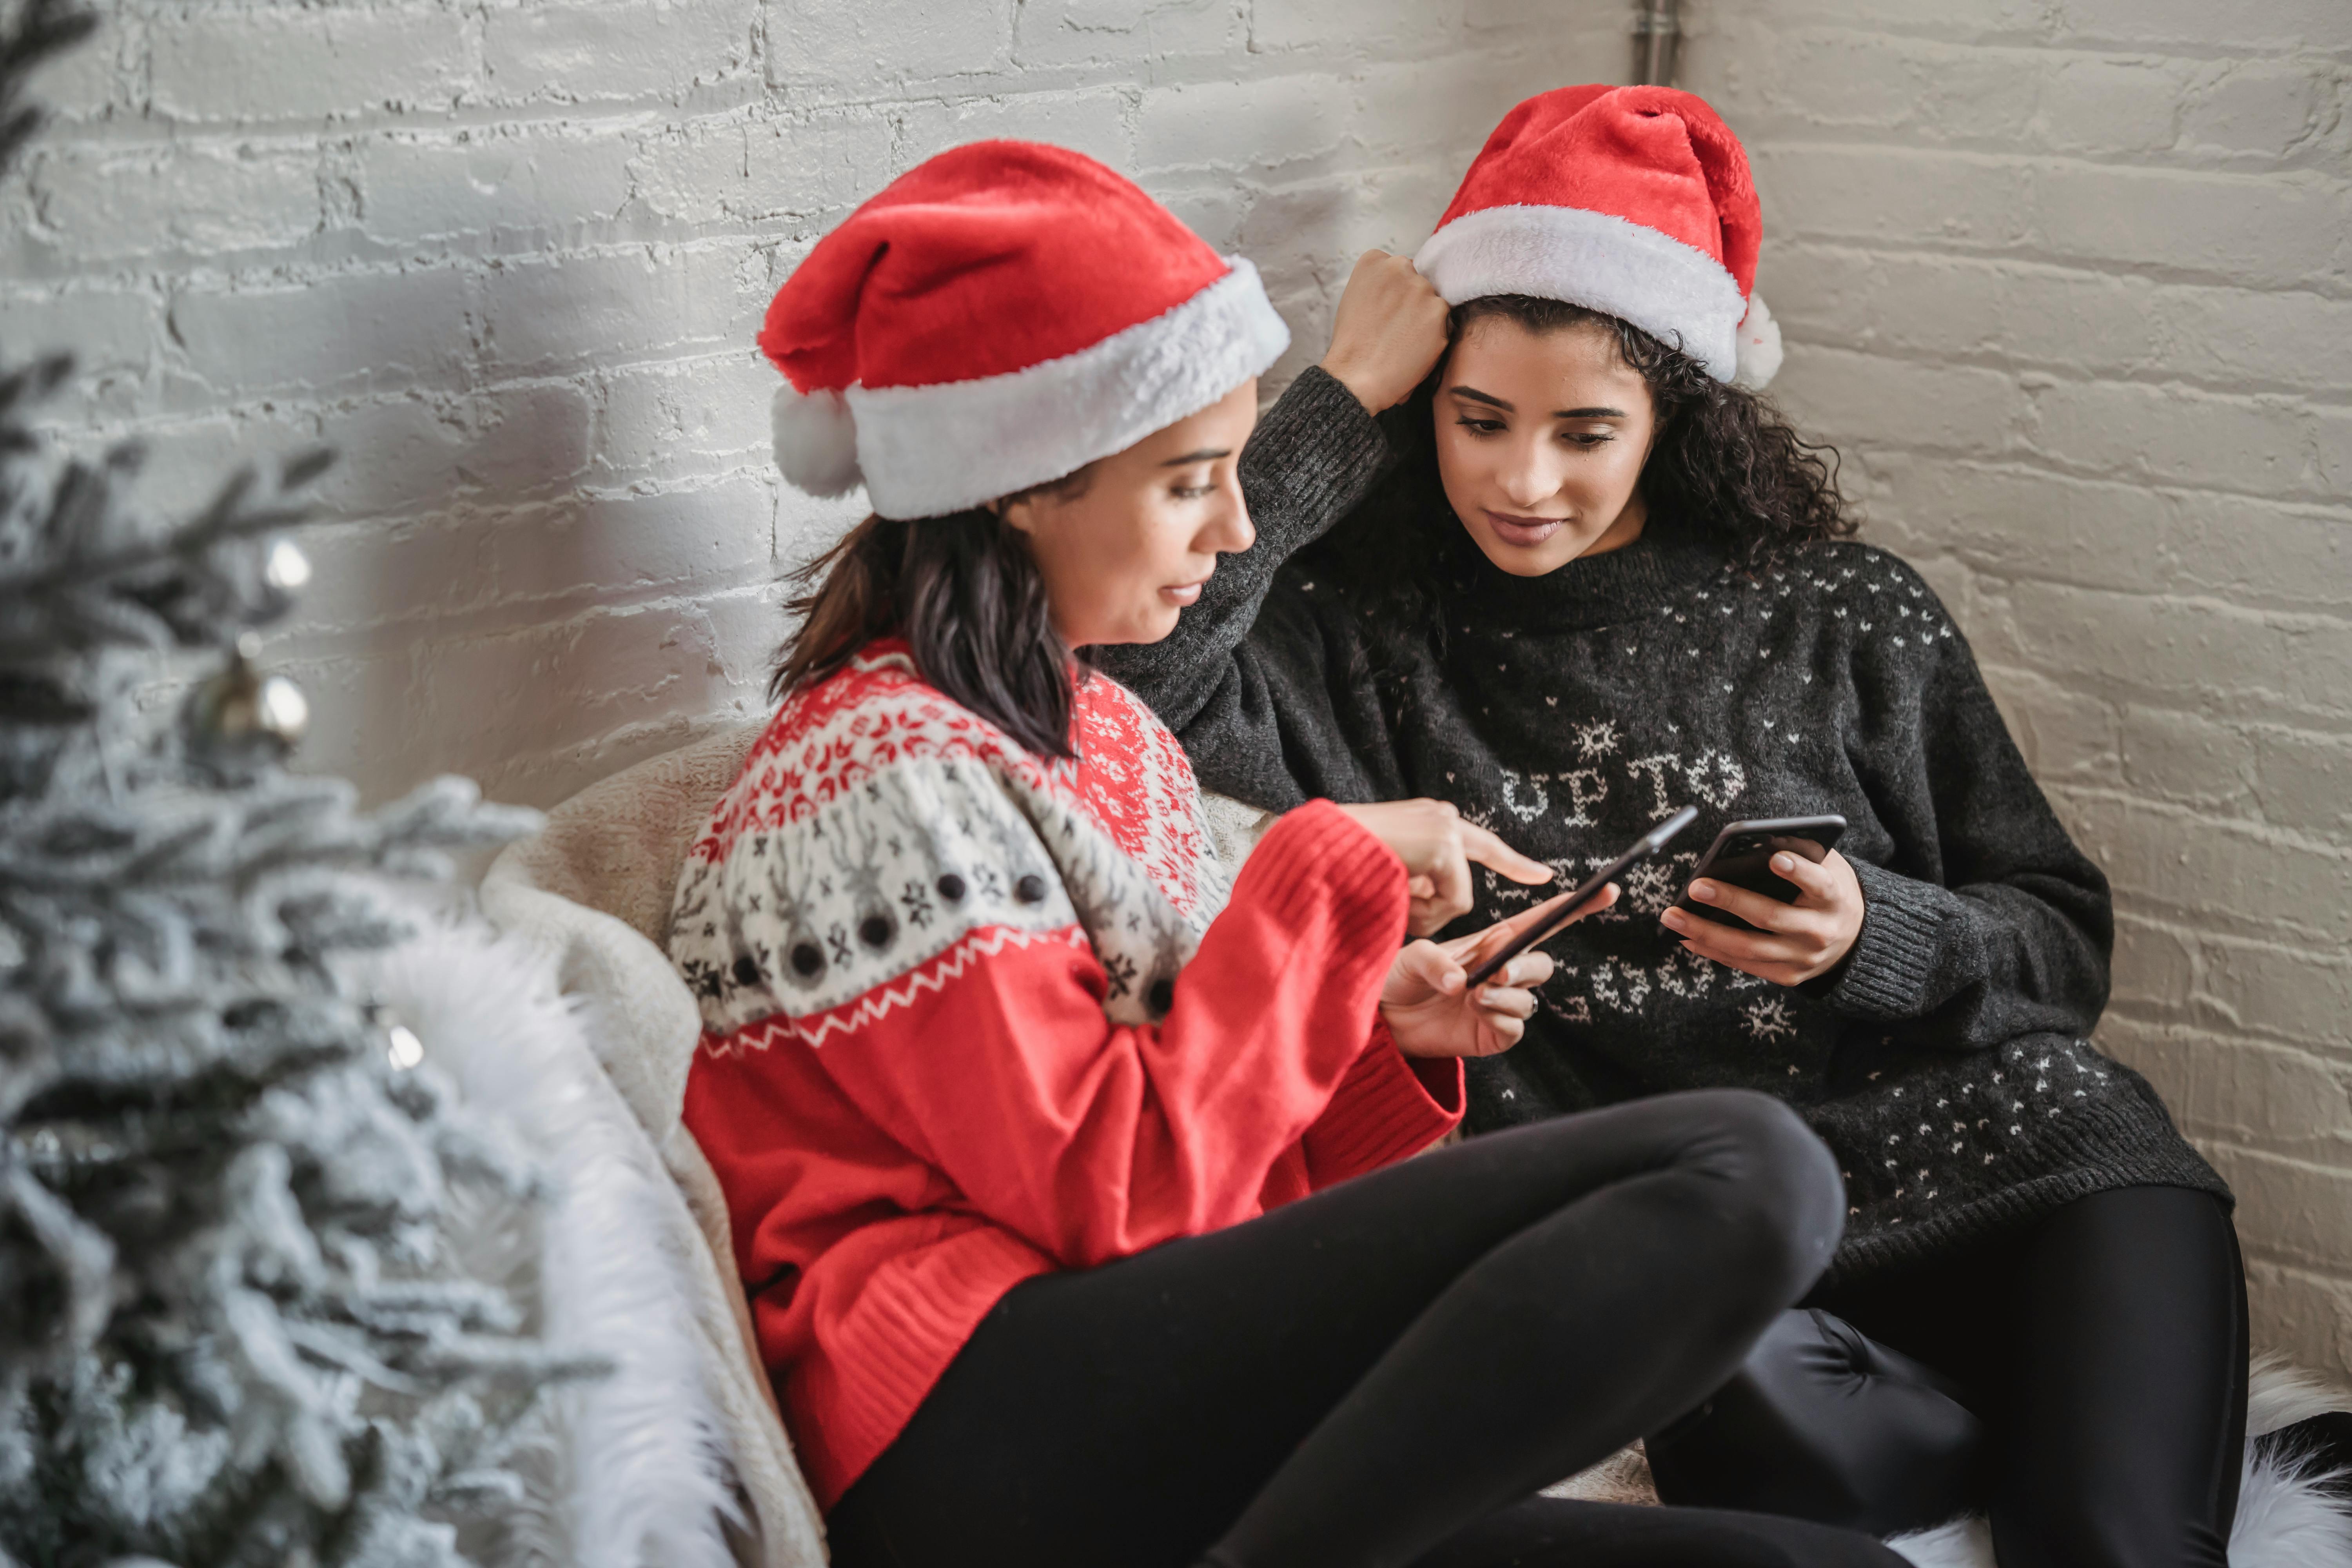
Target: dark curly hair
<point>1725,462</point>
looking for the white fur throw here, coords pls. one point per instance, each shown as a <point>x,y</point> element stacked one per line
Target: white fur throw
<point>590,893</point>
<point>628,1470</point>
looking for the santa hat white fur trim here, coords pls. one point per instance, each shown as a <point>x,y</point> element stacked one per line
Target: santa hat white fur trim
<point>1673,291</point>
<point>1759,352</point>
<point>925,451</point>
<point>815,440</point>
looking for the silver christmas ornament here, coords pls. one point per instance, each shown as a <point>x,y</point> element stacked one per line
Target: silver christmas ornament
<point>241,714</point>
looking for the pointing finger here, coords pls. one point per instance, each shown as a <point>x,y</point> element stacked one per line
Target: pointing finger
<point>1491,852</point>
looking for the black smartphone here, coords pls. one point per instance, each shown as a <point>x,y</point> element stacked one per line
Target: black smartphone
<point>1649,843</point>
<point>1742,855</point>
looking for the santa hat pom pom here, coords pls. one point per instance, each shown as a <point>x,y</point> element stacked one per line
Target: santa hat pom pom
<point>1757,359</point>
<point>817,440</point>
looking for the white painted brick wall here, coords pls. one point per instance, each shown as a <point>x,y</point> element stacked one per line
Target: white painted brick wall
<point>2069,282</point>
<point>509,255</point>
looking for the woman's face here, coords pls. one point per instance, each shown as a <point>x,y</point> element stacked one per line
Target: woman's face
<point>1129,547</point>
<point>1541,441</point>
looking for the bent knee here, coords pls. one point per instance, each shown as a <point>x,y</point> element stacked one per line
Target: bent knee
<point>1779,1178</point>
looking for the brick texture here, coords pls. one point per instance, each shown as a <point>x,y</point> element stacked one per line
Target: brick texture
<point>508,256</point>
<point>2064,282</point>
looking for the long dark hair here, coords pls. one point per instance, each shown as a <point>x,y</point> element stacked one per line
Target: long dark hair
<point>965,593</point>
<point>1725,462</point>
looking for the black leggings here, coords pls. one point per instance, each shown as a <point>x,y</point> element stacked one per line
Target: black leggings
<point>2082,1380</point>
<point>1384,1373</point>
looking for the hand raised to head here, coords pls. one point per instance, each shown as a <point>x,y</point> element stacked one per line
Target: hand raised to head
<point>1389,330</point>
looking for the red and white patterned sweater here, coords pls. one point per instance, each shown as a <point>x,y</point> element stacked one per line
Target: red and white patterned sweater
<point>968,1019</point>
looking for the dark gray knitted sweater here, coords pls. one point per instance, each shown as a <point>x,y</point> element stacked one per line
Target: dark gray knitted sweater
<point>1945,1061</point>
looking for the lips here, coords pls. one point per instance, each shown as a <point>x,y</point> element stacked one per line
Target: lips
<point>1523,531</point>
<point>1183,594</point>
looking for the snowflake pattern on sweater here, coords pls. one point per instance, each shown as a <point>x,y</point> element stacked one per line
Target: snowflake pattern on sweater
<point>879,831</point>
<point>1783,689</point>
<point>1569,712</point>
<point>1648,763</point>
<point>946,1048</point>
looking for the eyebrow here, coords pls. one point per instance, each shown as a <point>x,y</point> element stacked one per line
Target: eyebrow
<point>1206,455</point>
<point>1474,396</point>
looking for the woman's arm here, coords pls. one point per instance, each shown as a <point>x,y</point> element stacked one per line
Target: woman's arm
<point>1988,922</point>
<point>1376,1113</point>
<point>1092,1140</point>
<point>1243,682</point>
<point>1984,923</point>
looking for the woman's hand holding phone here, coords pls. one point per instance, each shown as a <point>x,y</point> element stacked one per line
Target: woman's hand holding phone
<point>1797,941</point>
<point>1432,1012</point>
<point>1437,848</point>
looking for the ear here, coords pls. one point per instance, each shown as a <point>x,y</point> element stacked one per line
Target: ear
<point>1018,513</point>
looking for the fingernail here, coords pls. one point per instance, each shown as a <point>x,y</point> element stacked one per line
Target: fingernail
<point>1702,889</point>
<point>1784,864</point>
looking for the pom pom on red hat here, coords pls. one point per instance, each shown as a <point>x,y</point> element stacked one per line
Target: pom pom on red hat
<point>1633,201</point>
<point>998,317</point>
<point>815,440</point>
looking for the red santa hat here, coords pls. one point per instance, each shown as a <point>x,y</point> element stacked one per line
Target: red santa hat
<point>1633,201</point>
<point>998,317</point>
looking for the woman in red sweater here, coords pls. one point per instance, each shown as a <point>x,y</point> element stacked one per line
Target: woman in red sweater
<point>1054,1161</point>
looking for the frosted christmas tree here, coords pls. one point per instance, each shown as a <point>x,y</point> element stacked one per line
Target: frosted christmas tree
<point>231,1331</point>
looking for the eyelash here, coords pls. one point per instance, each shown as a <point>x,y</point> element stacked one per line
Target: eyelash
<point>1190,492</point>
<point>1481,428</point>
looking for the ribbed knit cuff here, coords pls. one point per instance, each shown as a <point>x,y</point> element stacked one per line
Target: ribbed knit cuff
<point>1312,457</point>
<point>1389,1106</point>
<point>1886,975</point>
<point>884,1355</point>
<point>1320,851</point>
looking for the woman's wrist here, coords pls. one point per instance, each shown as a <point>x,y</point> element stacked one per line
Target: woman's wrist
<point>1363,382</point>
<point>1885,974</point>
<point>1388,331</point>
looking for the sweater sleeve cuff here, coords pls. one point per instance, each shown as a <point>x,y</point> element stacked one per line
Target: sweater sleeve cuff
<point>1318,847</point>
<point>1886,974</point>
<point>1389,1106</point>
<point>1313,455</point>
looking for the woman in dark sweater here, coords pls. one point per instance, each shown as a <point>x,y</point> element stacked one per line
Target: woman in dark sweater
<point>1577,580</point>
